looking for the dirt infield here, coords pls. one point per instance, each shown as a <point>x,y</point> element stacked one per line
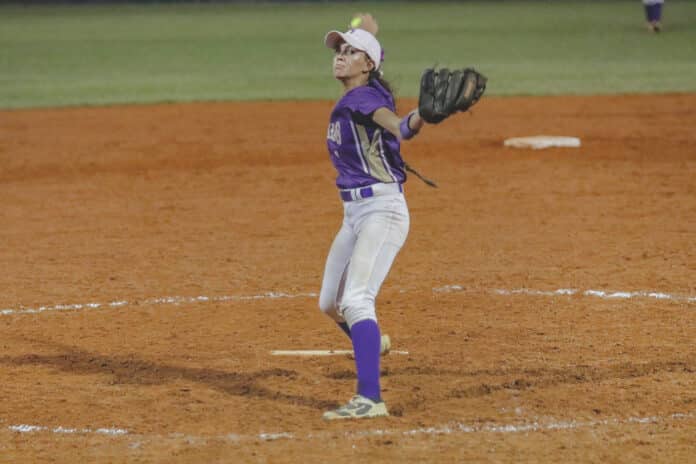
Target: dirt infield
<point>153,256</point>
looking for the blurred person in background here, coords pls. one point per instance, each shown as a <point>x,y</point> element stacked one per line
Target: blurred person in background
<point>653,14</point>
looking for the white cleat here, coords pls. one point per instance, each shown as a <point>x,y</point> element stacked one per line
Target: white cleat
<point>385,345</point>
<point>358,407</point>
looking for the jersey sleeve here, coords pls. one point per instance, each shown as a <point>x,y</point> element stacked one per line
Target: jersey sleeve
<point>366,100</point>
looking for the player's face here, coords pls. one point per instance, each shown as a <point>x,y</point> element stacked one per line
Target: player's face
<point>349,62</point>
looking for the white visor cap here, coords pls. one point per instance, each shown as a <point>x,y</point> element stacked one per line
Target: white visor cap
<point>359,39</point>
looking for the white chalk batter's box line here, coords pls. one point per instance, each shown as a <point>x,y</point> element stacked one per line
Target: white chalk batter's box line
<point>451,428</point>
<point>189,300</point>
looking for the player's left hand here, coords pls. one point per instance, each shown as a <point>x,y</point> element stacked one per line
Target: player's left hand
<point>444,92</point>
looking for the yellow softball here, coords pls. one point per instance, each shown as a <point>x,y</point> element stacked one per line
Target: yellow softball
<point>355,22</point>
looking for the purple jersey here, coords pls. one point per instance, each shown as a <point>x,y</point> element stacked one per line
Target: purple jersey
<point>363,152</point>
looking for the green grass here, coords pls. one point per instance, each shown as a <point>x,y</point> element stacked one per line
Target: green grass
<point>68,55</point>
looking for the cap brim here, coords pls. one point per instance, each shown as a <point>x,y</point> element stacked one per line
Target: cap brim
<point>334,38</point>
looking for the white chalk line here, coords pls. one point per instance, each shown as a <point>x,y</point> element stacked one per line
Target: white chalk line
<point>451,428</point>
<point>24,428</point>
<point>167,300</point>
<point>574,291</point>
<point>181,300</point>
<point>535,426</point>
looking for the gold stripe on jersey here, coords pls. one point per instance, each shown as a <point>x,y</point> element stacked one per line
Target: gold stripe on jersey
<point>373,154</point>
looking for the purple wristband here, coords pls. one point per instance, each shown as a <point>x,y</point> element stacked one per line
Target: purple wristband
<point>405,129</point>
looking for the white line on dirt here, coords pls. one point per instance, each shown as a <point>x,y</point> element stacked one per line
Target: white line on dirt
<point>166,300</point>
<point>574,291</point>
<point>462,428</point>
<point>189,300</point>
<point>451,428</point>
<point>24,428</point>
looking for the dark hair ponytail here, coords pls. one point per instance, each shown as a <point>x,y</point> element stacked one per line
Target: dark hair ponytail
<point>376,74</point>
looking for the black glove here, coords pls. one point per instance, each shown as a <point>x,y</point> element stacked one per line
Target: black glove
<point>445,92</point>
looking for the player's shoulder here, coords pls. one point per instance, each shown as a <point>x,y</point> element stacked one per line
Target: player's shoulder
<point>367,90</point>
<point>362,93</point>
<point>367,98</point>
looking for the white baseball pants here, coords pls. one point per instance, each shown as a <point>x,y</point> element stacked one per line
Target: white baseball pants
<point>373,231</point>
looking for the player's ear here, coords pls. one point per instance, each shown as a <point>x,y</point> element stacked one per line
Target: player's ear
<point>370,65</point>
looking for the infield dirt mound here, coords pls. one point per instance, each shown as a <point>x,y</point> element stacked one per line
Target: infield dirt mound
<point>136,203</point>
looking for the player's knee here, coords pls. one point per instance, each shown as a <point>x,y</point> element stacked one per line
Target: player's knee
<point>326,304</point>
<point>328,307</point>
<point>356,311</point>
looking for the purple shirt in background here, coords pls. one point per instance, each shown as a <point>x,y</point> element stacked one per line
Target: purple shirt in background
<point>363,152</point>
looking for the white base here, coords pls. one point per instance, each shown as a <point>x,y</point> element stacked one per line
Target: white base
<point>542,141</point>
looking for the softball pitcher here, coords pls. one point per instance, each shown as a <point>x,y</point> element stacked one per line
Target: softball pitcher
<point>363,141</point>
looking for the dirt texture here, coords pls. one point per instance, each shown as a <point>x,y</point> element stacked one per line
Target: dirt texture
<point>153,256</point>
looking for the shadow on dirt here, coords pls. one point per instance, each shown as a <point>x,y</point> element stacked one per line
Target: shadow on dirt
<point>525,379</point>
<point>509,379</point>
<point>129,369</point>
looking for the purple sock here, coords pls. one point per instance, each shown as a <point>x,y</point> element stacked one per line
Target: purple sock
<point>650,13</point>
<point>366,345</point>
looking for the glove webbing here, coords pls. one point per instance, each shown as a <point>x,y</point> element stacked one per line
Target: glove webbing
<point>417,174</point>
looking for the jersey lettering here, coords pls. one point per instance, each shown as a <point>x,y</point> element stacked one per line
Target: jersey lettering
<point>334,132</point>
